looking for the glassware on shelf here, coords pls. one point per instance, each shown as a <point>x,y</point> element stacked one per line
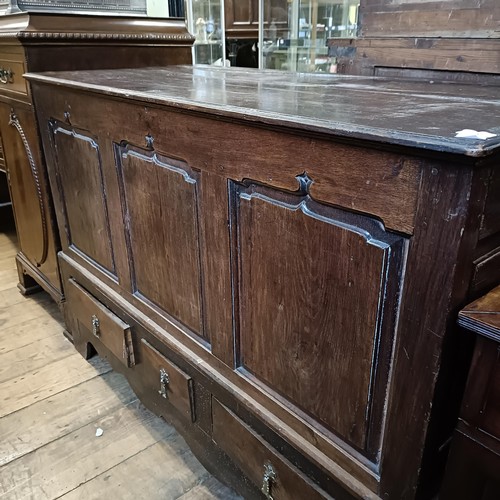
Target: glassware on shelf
<point>294,33</point>
<point>205,21</point>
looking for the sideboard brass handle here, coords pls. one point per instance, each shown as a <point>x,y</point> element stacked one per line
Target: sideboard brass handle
<point>96,326</point>
<point>268,479</point>
<point>164,381</point>
<point>6,75</point>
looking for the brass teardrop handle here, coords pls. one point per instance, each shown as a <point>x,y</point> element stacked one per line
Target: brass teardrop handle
<point>6,75</point>
<point>268,479</point>
<point>14,122</point>
<point>96,326</point>
<point>164,381</point>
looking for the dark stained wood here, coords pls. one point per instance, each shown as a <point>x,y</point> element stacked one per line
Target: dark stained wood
<point>407,38</point>
<point>105,327</point>
<point>483,315</point>
<point>41,41</point>
<point>216,259</point>
<point>79,171</point>
<point>472,471</point>
<point>241,17</point>
<point>347,383</point>
<point>32,209</point>
<point>299,309</point>
<point>251,454</point>
<point>407,56</point>
<point>439,18</point>
<point>485,269</point>
<point>490,223</point>
<point>433,250</point>
<point>162,193</point>
<point>355,108</point>
<point>178,389</point>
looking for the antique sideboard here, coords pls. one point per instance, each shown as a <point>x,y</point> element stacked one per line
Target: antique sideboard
<point>473,469</point>
<point>276,261</point>
<point>39,42</point>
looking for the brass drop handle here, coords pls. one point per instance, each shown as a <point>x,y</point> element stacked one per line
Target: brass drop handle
<point>268,479</point>
<point>164,381</point>
<point>96,326</point>
<point>6,75</point>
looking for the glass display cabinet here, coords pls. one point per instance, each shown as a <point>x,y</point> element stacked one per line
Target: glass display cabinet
<point>205,21</point>
<point>301,45</point>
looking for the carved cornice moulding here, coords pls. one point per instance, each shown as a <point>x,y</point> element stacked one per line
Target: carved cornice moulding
<point>57,28</point>
<point>34,35</point>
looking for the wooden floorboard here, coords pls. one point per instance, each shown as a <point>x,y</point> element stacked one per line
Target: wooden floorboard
<point>52,402</point>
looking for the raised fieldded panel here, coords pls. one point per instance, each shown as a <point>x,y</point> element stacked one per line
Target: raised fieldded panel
<point>79,169</point>
<point>160,203</point>
<point>441,18</point>
<point>316,304</point>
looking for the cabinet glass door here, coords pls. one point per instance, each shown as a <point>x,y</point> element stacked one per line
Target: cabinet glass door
<point>301,44</point>
<point>205,20</point>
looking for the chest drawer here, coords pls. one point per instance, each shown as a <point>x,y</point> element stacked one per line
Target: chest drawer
<point>105,327</point>
<point>273,474</point>
<point>11,75</point>
<point>166,382</point>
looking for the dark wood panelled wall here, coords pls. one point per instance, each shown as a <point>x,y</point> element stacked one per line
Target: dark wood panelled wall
<point>280,277</point>
<point>444,35</point>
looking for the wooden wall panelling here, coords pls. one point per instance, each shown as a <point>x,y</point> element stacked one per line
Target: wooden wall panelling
<point>362,56</point>
<point>427,18</point>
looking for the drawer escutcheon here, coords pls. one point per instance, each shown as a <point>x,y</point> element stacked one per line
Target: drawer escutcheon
<point>268,479</point>
<point>164,381</point>
<point>95,326</point>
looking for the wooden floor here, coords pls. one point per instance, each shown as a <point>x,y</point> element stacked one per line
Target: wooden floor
<point>52,402</point>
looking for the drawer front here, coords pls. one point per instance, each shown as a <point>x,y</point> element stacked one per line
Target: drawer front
<point>11,76</point>
<point>167,381</point>
<point>106,328</point>
<point>277,478</point>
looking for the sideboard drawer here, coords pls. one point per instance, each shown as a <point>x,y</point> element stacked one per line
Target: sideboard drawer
<point>11,75</point>
<point>277,478</point>
<point>107,328</point>
<point>166,381</point>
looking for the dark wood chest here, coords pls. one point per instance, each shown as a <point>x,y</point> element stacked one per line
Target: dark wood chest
<point>276,261</point>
